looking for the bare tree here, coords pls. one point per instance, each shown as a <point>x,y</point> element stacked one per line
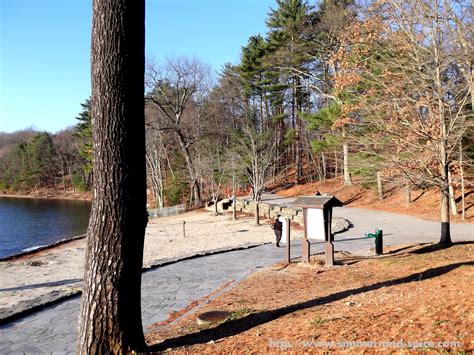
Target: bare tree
<point>409,102</point>
<point>156,162</point>
<point>110,316</point>
<point>178,90</point>
<point>255,156</point>
<point>214,168</point>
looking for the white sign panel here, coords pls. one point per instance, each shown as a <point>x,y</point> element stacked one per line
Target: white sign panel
<point>315,223</point>
<point>285,227</point>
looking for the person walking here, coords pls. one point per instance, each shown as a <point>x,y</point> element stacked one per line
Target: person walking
<point>277,227</point>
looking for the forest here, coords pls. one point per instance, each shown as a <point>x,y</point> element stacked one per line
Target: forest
<point>362,91</point>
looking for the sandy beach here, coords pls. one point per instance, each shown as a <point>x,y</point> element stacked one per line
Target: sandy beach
<point>57,272</point>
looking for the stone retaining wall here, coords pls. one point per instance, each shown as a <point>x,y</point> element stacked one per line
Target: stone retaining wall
<point>269,210</point>
<point>167,211</point>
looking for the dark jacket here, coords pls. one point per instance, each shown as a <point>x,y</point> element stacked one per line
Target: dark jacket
<point>278,226</point>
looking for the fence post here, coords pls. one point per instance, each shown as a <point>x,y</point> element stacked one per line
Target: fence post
<point>287,232</point>
<point>184,229</point>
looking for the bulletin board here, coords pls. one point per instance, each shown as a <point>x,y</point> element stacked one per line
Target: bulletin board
<point>314,218</point>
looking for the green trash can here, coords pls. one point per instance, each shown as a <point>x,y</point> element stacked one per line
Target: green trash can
<point>379,241</point>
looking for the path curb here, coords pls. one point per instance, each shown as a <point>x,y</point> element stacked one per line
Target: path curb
<point>28,307</point>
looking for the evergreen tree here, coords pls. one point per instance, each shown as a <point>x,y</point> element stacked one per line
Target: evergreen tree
<point>83,130</point>
<point>287,44</point>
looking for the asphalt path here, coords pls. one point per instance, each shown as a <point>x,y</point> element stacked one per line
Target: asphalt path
<point>174,286</point>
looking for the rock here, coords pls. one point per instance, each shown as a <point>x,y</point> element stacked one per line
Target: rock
<point>36,263</point>
<point>212,317</point>
<point>339,225</point>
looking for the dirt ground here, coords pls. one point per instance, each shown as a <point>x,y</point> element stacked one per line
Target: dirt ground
<point>425,204</point>
<point>415,298</point>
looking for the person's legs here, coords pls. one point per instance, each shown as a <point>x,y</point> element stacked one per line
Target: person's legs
<point>278,237</point>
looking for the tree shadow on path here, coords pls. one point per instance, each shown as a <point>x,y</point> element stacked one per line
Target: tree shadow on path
<point>238,326</point>
<point>430,248</point>
<point>45,284</point>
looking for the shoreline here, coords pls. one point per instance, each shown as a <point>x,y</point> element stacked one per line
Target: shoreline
<point>30,278</point>
<point>70,197</point>
<point>36,249</point>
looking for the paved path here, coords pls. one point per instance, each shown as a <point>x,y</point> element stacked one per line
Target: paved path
<point>173,287</point>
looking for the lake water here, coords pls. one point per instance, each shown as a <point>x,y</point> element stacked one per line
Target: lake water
<point>26,223</point>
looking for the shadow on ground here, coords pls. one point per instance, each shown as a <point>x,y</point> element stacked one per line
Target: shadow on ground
<point>46,284</point>
<point>238,326</point>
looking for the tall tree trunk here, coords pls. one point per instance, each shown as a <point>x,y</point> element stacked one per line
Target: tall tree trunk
<point>345,150</point>
<point>195,190</point>
<point>445,238</point>
<point>234,198</point>
<point>63,170</point>
<point>71,180</point>
<point>298,128</point>
<point>257,213</point>
<point>323,161</point>
<point>407,194</point>
<point>463,202</point>
<point>380,185</point>
<point>452,198</point>
<point>110,315</point>
<point>214,200</point>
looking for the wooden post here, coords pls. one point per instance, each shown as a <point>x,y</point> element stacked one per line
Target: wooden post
<point>329,247</point>
<point>288,258</point>
<point>329,252</point>
<point>184,229</point>
<point>305,242</point>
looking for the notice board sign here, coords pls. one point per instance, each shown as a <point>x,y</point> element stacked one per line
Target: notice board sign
<point>314,221</point>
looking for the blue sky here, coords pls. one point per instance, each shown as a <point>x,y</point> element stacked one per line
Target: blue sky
<point>44,50</point>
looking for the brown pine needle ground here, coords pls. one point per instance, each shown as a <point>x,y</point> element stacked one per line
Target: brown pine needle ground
<point>416,294</point>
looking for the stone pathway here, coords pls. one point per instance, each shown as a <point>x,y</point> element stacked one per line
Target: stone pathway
<point>165,289</point>
<point>173,287</point>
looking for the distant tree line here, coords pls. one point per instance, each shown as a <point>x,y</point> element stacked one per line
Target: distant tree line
<point>379,91</point>
<point>30,160</point>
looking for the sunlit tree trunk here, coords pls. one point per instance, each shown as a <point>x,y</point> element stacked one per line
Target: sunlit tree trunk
<point>463,202</point>
<point>110,315</point>
<point>445,238</point>
<point>452,197</point>
<point>345,150</point>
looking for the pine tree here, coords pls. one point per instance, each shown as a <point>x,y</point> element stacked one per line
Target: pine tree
<point>286,43</point>
<point>110,317</point>
<point>83,130</point>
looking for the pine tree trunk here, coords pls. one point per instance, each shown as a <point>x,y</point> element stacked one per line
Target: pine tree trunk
<point>347,175</point>
<point>110,316</point>
<point>463,202</point>
<point>298,163</point>
<point>323,160</point>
